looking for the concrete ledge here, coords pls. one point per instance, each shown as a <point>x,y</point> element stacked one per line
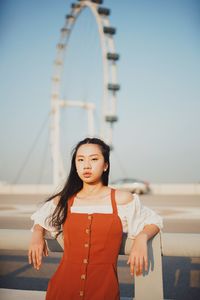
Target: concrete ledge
<point>9,294</point>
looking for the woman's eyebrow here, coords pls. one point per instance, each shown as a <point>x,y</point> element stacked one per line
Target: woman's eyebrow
<point>96,154</point>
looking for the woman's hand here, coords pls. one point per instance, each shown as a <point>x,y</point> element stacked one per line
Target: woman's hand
<point>138,258</point>
<point>37,247</point>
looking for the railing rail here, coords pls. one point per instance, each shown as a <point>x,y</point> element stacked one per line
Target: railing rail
<point>167,244</point>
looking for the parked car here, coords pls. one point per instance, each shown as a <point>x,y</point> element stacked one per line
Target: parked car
<point>131,185</point>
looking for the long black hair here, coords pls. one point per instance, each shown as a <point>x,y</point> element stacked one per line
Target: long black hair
<point>74,184</point>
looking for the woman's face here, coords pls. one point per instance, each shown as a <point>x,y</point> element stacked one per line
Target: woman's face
<point>90,163</point>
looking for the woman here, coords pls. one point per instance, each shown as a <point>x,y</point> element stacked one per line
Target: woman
<point>93,217</point>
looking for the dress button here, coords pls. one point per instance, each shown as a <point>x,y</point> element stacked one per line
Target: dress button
<point>81,293</point>
<point>83,276</point>
<point>87,231</point>
<point>86,245</point>
<point>85,261</point>
<point>89,217</point>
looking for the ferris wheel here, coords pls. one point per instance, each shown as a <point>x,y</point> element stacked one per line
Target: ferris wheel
<point>110,87</point>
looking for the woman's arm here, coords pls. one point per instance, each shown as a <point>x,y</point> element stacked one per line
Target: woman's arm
<point>37,246</point>
<point>138,258</point>
<point>150,230</point>
<point>143,223</point>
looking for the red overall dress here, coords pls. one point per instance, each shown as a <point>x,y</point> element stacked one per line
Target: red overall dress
<point>88,269</point>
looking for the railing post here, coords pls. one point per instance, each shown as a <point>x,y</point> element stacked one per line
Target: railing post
<point>149,285</point>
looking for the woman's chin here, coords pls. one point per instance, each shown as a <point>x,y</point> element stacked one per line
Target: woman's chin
<point>90,180</point>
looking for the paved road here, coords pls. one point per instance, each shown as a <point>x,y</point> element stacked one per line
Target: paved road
<point>181,274</point>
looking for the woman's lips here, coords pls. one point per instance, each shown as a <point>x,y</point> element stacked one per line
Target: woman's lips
<point>87,174</point>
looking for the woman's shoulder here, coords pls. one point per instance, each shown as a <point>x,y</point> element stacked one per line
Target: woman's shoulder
<point>56,199</point>
<point>123,197</point>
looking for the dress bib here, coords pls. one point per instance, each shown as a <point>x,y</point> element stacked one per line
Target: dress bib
<point>88,268</point>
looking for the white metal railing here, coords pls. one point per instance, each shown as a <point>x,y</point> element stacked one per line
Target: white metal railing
<point>161,244</point>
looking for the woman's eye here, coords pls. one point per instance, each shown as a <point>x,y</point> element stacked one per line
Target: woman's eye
<point>80,159</point>
<point>95,159</point>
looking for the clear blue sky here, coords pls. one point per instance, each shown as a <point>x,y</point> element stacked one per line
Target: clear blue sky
<point>157,136</point>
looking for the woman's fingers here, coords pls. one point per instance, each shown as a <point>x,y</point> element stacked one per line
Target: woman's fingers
<point>29,257</point>
<point>133,265</point>
<point>146,263</point>
<point>138,264</point>
<point>131,262</point>
<point>34,259</point>
<point>45,251</point>
<point>39,257</point>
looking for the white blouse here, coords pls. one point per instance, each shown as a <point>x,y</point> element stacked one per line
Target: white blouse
<point>134,216</point>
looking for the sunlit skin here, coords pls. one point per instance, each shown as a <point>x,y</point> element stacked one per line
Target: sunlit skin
<point>89,160</point>
<point>90,166</point>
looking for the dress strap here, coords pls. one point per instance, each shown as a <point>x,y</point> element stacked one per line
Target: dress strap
<point>70,202</point>
<point>114,205</point>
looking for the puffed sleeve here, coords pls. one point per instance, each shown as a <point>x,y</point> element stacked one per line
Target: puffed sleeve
<point>135,216</point>
<point>41,214</point>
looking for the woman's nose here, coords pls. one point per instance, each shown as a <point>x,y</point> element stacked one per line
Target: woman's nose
<point>87,165</point>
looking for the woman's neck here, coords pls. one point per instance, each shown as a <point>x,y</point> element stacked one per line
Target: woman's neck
<point>92,190</point>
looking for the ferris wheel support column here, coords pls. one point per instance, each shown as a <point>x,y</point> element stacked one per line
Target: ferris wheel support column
<point>56,141</point>
<point>109,58</point>
<point>103,125</point>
